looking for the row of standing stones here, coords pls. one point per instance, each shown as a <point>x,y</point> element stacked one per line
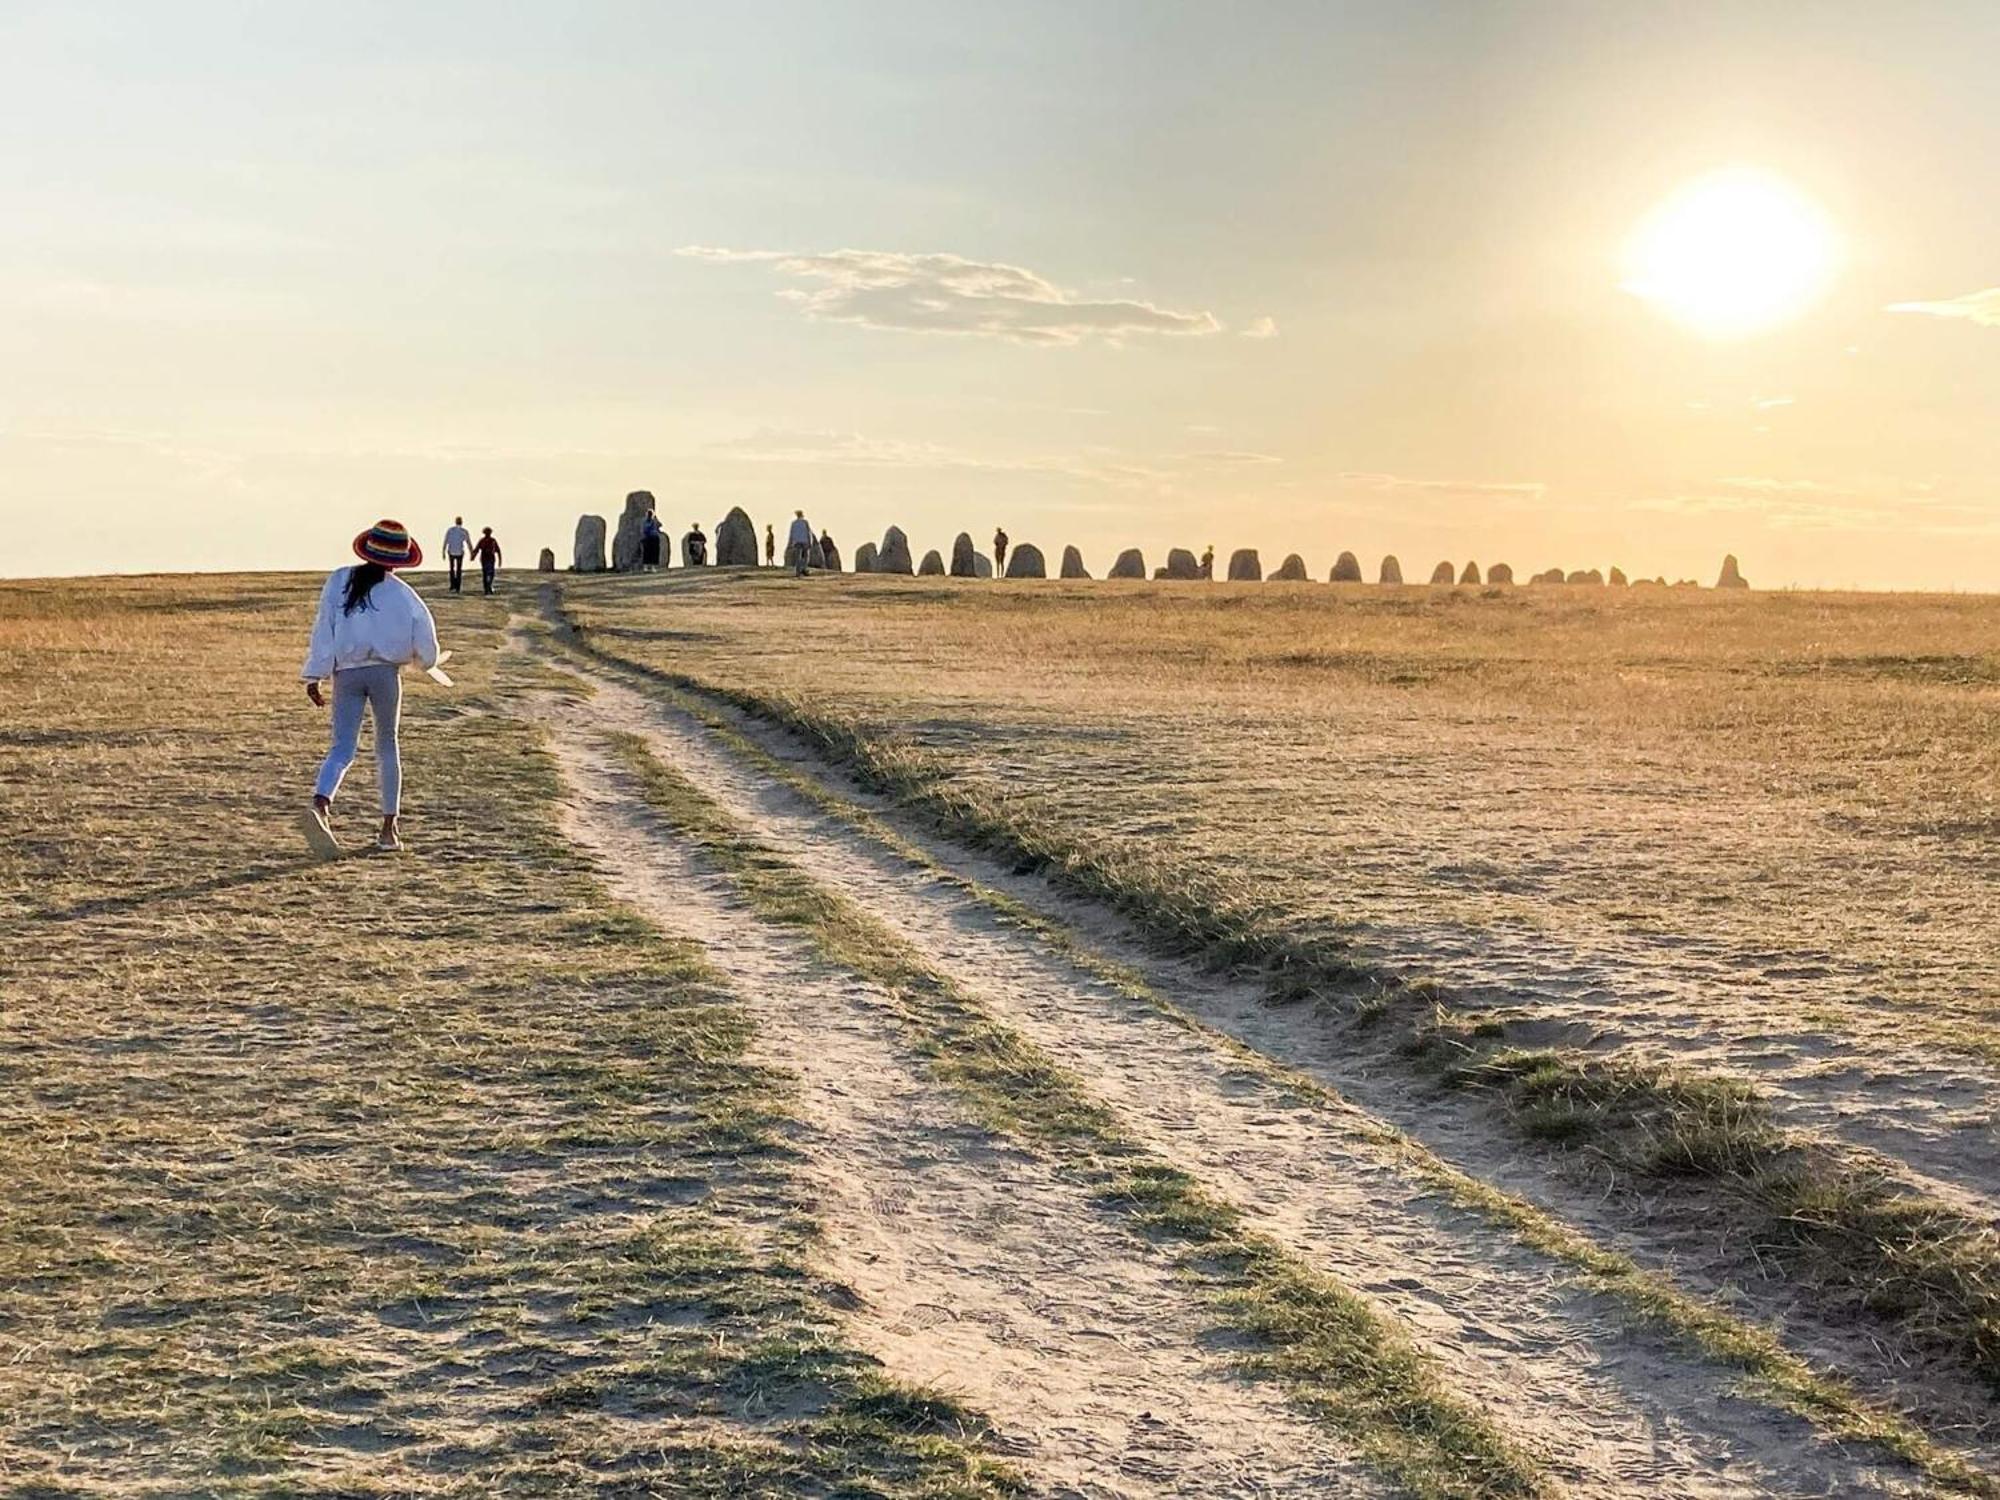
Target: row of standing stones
<point>736,546</point>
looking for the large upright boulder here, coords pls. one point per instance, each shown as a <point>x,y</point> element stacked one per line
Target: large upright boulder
<point>893,556</point>
<point>1392,571</point>
<point>864,558</point>
<point>546,563</point>
<point>626,544</point>
<point>1346,569</point>
<point>1618,579</point>
<point>1245,566</point>
<point>1072,564</point>
<point>1181,565</point>
<point>1731,577</point>
<point>1548,575</point>
<point>736,540</point>
<point>1471,573</point>
<point>588,553</point>
<point>982,565</point>
<point>1291,570</point>
<point>1131,563</point>
<point>964,557</point>
<point>1585,576</point>
<point>932,566</point>
<point>1500,573</point>
<point>1444,572</point>
<point>1024,560</point>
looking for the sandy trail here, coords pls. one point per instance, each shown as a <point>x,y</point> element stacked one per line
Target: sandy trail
<point>1611,1411</point>
<point>976,1268</point>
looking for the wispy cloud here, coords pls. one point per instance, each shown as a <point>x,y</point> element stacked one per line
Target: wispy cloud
<point>949,294</point>
<point>1974,307</point>
<point>1261,328</point>
<point>1466,489</point>
<point>1813,505</point>
<point>1233,456</point>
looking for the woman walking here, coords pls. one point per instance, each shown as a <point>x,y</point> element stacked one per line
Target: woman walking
<point>370,625</point>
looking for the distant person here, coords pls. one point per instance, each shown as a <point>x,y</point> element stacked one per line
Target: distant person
<point>799,543</point>
<point>487,550</point>
<point>829,552</point>
<point>456,540</point>
<point>770,545</point>
<point>999,550</point>
<point>694,547</point>
<point>370,625</point>
<point>651,535</point>
<point>1208,561</point>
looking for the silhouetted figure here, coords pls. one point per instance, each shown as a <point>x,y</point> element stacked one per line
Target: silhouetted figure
<point>651,535</point>
<point>999,552</point>
<point>799,543</point>
<point>829,552</point>
<point>456,540</point>
<point>770,545</point>
<point>694,548</point>
<point>487,550</point>
<point>1208,561</point>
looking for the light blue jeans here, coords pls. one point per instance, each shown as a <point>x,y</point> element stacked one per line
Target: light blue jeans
<point>379,688</point>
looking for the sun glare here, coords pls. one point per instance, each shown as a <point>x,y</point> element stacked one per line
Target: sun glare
<point>1732,254</point>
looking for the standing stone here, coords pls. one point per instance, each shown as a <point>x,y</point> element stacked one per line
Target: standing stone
<point>932,566</point>
<point>736,540</point>
<point>1347,569</point>
<point>546,563</point>
<point>1245,566</point>
<point>625,545</point>
<point>1731,578</point>
<point>1131,563</point>
<point>1444,572</point>
<point>982,565</point>
<point>1618,580</point>
<point>964,557</point>
<point>1291,570</point>
<point>1392,571</point>
<point>1471,573</point>
<point>1591,576</point>
<point>1500,573</point>
<point>588,556</point>
<point>1072,564</point>
<point>864,558</point>
<point>1181,565</point>
<point>894,554</point>
<point>1024,560</point>
<point>1552,575</point>
<point>816,555</point>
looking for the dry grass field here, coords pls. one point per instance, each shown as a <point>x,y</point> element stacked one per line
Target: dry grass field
<point>885,1038</point>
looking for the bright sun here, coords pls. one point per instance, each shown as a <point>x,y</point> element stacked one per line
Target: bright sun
<point>1732,254</point>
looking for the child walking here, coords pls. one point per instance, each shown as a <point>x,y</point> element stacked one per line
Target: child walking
<point>370,625</point>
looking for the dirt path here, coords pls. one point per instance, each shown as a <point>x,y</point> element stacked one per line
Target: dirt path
<point>974,1267</point>
<point>1610,1411</point>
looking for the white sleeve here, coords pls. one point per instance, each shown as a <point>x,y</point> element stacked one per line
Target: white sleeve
<point>423,633</point>
<point>319,647</point>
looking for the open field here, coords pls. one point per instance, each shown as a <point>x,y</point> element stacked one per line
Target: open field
<point>822,1041</point>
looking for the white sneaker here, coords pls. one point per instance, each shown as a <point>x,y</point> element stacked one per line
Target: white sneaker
<point>319,837</point>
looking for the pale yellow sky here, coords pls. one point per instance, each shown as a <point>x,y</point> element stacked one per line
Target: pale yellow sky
<point>1304,277</point>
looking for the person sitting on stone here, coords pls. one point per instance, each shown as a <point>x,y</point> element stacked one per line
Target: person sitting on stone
<point>694,547</point>
<point>828,552</point>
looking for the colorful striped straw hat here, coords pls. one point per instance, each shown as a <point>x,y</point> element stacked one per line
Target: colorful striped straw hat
<point>390,544</point>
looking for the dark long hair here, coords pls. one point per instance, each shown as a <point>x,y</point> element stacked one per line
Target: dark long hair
<point>361,581</point>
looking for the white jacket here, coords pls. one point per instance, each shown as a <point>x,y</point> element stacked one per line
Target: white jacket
<point>393,629</point>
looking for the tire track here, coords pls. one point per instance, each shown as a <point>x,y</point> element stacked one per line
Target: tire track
<point>1613,1410</point>
<point>972,1265</point>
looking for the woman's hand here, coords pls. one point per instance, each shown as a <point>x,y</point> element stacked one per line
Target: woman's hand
<point>313,692</point>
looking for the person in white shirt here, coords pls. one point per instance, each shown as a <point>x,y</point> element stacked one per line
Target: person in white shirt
<point>456,540</point>
<point>370,625</point>
<point>799,543</point>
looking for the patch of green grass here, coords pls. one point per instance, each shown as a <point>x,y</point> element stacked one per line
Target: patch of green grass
<point>1332,1349</point>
